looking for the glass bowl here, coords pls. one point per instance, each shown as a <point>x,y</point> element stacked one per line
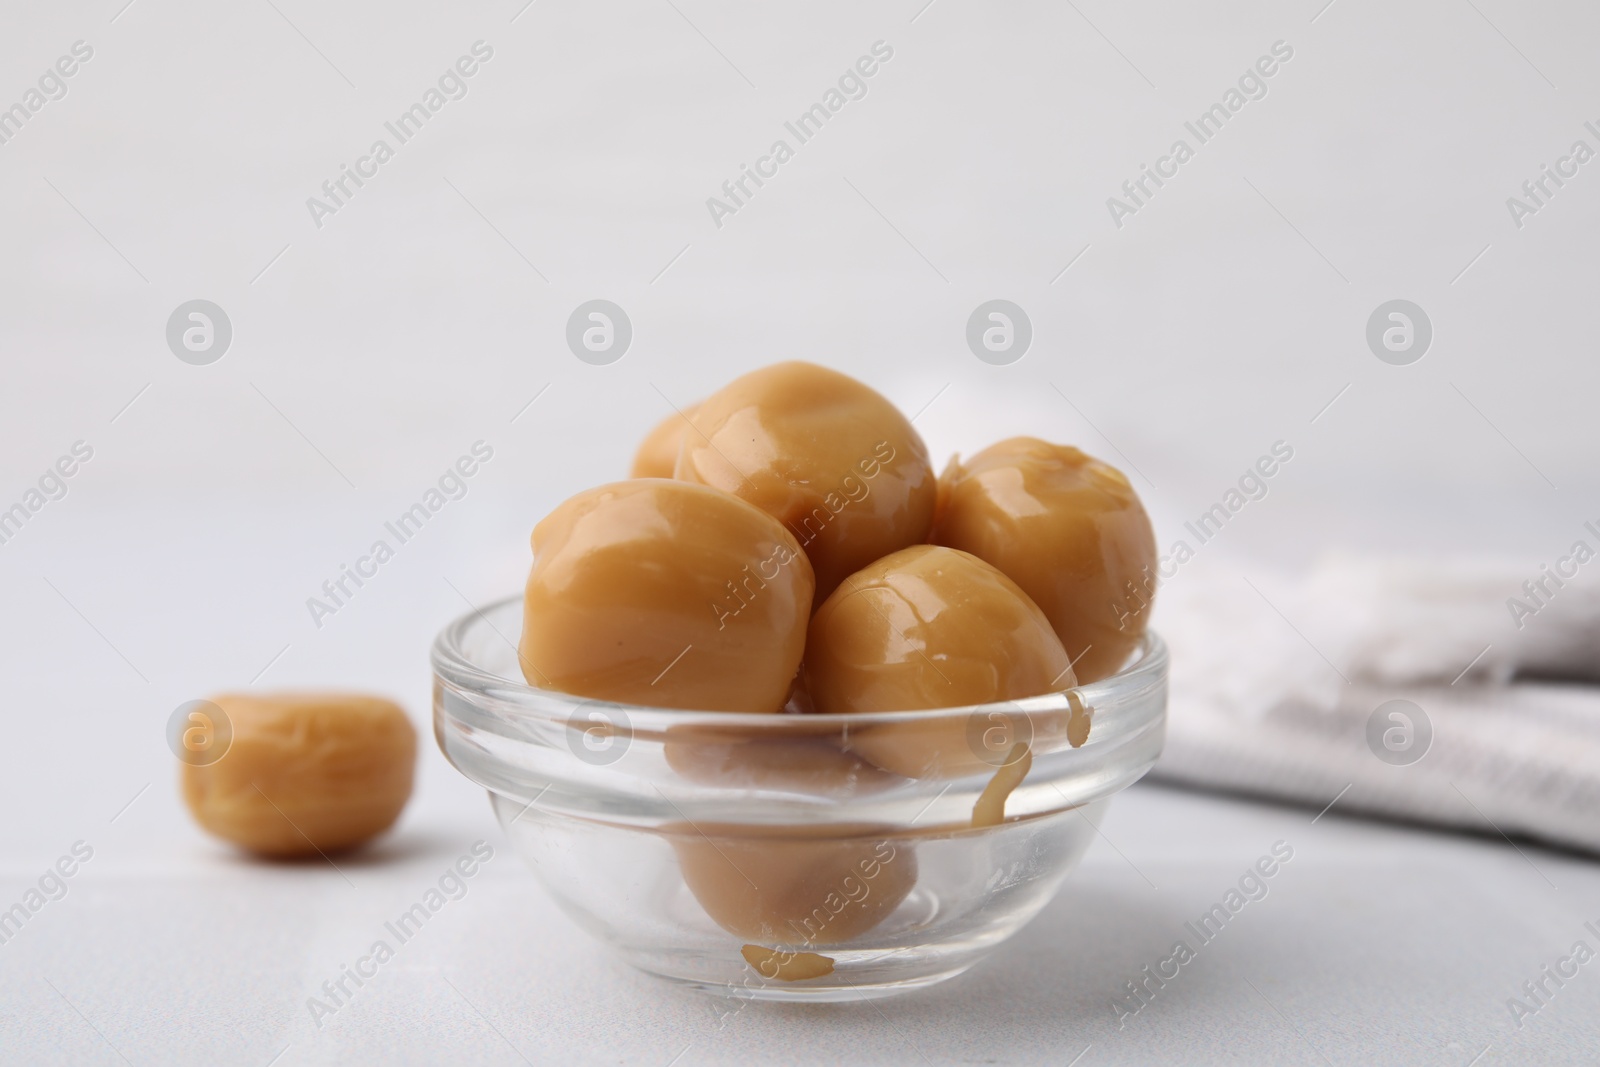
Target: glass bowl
<point>771,856</point>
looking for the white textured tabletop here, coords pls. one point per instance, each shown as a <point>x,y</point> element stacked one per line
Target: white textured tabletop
<point>1374,944</point>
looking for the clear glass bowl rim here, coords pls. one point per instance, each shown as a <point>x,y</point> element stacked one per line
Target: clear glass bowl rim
<point>453,665</point>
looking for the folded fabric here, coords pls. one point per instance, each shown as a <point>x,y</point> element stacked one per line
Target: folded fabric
<point>1286,688</point>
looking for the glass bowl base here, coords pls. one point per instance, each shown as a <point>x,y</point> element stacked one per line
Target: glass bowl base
<point>856,975</point>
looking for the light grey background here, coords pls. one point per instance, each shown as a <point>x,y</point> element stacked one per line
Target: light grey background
<point>370,353</point>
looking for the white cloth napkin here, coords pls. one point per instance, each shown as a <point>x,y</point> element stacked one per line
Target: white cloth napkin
<point>1275,682</point>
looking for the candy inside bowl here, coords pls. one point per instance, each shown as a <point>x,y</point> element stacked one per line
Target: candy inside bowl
<point>769,856</point>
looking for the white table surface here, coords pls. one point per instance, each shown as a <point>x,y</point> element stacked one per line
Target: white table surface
<point>1377,943</point>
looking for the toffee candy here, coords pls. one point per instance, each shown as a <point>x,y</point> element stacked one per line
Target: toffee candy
<point>305,773</point>
<point>794,886</point>
<point>1069,530</point>
<point>832,460</point>
<point>926,628</point>
<point>665,594</point>
<point>658,452</point>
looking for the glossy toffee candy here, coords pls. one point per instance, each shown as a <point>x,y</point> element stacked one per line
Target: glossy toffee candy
<point>305,772</point>
<point>803,755</point>
<point>783,965</point>
<point>658,452</point>
<point>1069,530</point>
<point>925,628</point>
<point>832,460</point>
<point>812,761</point>
<point>666,594</point>
<point>794,887</point>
